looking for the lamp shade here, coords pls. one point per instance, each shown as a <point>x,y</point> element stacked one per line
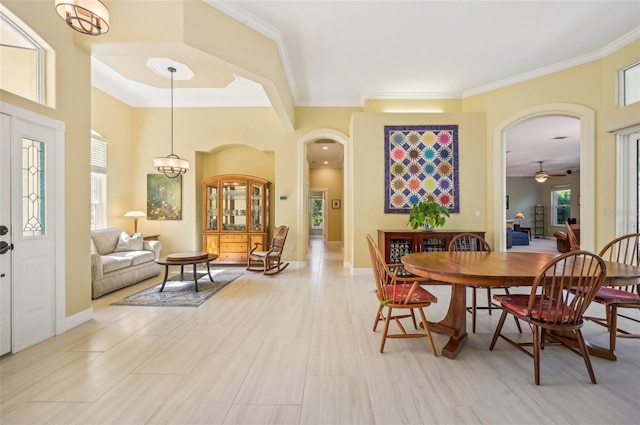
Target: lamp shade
<point>541,178</point>
<point>135,214</point>
<point>519,215</point>
<point>89,17</point>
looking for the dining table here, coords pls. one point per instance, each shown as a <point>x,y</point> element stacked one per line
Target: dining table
<point>494,269</point>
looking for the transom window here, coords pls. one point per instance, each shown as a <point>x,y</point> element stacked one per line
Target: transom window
<point>22,59</point>
<point>630,84</point>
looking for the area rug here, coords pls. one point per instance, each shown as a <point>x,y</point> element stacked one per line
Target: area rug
<point>181,293</point>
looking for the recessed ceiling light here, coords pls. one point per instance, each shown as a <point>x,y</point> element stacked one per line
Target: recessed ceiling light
<point>324,148</point>
<point>326,162</point>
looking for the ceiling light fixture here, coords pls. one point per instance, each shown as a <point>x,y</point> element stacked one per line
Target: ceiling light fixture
<point>171,166</point>
<point>90,17</point>
<point>541,177</point>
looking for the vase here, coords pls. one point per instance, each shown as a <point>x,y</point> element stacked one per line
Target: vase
<point>426,226</point>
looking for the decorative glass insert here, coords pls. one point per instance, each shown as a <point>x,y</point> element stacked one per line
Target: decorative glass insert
<point>256,207</point>
<point>33,188</point>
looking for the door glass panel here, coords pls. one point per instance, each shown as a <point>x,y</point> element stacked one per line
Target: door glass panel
<point>256,207</point>
<point>234,206</point>
<point>33,188</point>
<point>212,207</point>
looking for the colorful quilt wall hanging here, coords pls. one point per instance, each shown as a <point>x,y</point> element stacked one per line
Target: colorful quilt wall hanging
<point>421,163</point>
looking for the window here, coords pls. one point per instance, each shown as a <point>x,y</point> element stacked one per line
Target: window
<point>560,205</point>
<point>628,184</point>
<point>98,181</point>
<point>317,212</point>
<point>630,85</point>
<point>22,59</point>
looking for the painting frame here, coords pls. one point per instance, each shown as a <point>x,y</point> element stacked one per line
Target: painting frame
<point>421,163</point>
<point>335,204</point>
<point>164,197</point>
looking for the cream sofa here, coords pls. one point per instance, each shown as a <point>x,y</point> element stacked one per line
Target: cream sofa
<point>118,260</point>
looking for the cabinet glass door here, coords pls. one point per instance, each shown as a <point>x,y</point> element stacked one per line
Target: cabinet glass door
<point>212,207</point>
<point>257,219</point>
<point>234,206</point>
<point>434,243</point>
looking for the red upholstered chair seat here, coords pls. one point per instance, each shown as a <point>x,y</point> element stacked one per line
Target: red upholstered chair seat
<point>398,294</point>
<point>608,295</point>
<point>519,303</point>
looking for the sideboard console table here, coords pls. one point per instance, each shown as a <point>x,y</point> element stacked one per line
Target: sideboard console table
<point>394,244</point>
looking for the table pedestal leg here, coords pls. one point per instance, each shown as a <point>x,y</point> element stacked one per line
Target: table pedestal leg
<point>166,273</point>
<point>454,323</point>
<point>195,277</point>
<point>209,272</point>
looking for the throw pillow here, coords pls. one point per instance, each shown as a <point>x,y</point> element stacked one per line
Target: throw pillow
<point>129,243</point>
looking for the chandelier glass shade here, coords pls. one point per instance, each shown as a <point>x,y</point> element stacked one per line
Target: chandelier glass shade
<point>90,17</point>
<point>171,165</point>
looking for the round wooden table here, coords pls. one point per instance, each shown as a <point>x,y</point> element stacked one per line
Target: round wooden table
<point>184,259</point>
<point>491,269</point>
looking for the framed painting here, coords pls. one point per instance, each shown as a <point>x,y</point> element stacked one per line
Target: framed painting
<point>164,197</point>
<point>421,163</point>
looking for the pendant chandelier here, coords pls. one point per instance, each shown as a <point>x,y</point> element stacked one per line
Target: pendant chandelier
<point>171,166</point>
<point>90,17</point>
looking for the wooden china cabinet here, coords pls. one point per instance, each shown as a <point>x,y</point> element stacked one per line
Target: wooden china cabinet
<point>235,216</point>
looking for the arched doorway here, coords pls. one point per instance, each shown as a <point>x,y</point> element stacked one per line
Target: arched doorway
<point>587,166</point>
<point>303,192</point>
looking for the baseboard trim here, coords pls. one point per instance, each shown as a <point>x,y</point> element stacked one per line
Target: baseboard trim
<point>77,319</point>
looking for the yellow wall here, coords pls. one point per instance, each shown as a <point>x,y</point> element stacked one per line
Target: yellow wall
<point>368,169</point>
<point>121,147</point>
<point>330,179</point>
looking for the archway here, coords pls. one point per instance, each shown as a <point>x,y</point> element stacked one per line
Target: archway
<point>303,192</point>
<point>587,166</point>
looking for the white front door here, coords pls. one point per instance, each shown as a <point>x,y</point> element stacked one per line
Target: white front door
<point>31,269</point>
<point>5,235</point>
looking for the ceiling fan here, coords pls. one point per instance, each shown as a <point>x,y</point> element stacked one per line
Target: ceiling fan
<point>542,176</point>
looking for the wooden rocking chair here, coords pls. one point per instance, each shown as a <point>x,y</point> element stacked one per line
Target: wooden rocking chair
<point>269,262</point>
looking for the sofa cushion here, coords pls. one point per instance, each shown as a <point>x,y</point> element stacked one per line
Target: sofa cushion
<point>139,257</point>
<point>115,261</point>
<point>129,243</point>
<point>106,240</point>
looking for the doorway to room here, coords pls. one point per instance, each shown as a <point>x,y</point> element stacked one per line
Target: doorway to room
<point>586,118</point>
<point>543,161</point>
<point>332,179</point>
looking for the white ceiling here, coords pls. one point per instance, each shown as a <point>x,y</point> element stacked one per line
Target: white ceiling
<point>340,53</point>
